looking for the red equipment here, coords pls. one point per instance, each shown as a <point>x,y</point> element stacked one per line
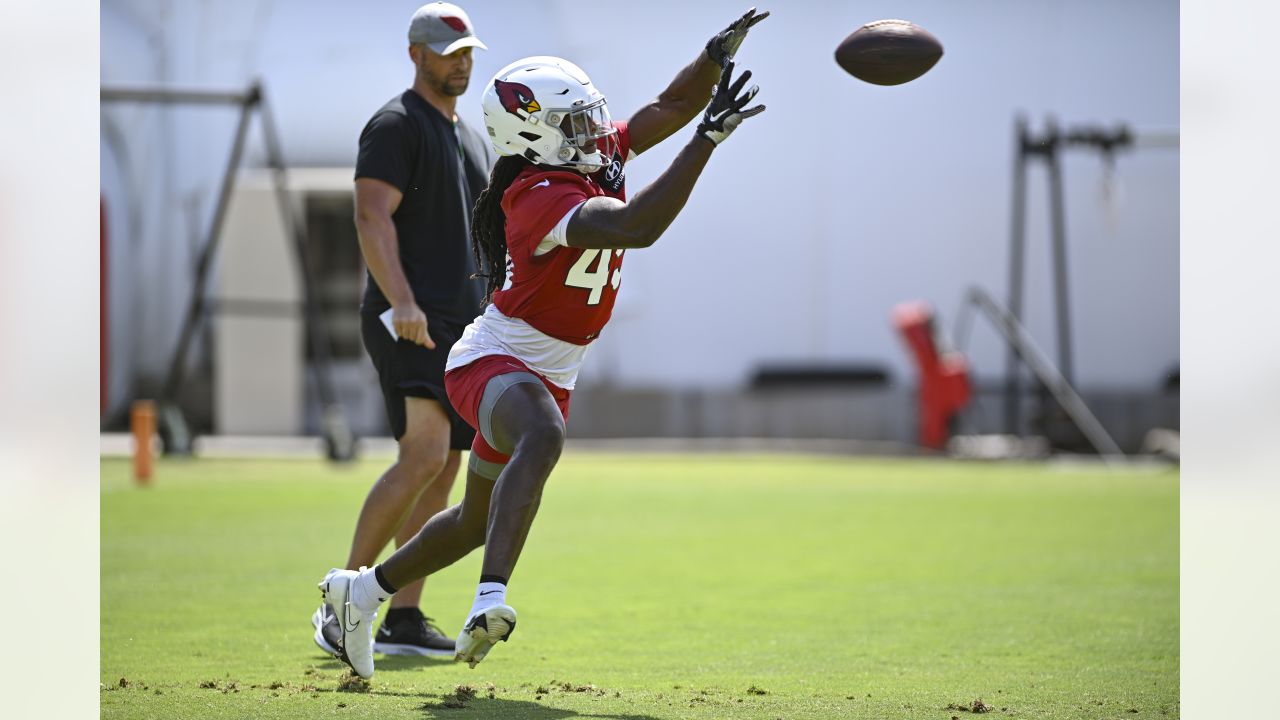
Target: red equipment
<point>944,376</point>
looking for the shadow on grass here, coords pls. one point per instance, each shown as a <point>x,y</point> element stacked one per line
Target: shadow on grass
<point>400,663</point>
<point>514,710</point>
<point>328,662</point>
<point>389,663</point>
<point>447,705</point>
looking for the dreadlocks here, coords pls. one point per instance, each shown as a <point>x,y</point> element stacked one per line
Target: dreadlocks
<point>489,225</point>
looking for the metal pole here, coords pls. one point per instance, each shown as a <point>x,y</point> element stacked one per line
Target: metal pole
<point>337,433</point>
<point>177,439</point>
<point>1017,234</point>
<point>174,97</point>
<point>1057,385</point>
<point>1059,229</point>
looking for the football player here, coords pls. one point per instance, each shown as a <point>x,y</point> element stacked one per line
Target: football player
<point>549,232</point>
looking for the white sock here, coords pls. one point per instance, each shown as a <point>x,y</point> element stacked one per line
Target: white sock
<point>488,594</point>
<point>367,593</point>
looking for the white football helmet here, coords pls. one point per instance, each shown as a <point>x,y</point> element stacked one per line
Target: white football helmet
<point>546,109</point>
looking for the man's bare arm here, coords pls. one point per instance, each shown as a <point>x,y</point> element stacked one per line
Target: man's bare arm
<point>681,102</point>
<point>603,222</point>
<point>375,203</point>
<point>688,93</point>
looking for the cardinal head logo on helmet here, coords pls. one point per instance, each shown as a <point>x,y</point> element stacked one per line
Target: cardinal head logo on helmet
<point>516,97</point>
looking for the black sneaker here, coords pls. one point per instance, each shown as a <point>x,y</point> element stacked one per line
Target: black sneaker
<point>328,635</point>
<point>406,631</point>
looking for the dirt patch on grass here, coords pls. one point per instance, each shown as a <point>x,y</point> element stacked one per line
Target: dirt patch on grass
<point>977,706</point>
<point>456,700</point>
<point>588,688</point>
<point>230,686</point>
<point>753,690</point>
<point>353,683</point>
<point>542,690</point>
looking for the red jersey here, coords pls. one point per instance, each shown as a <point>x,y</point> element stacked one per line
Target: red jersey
<point>566,292</point>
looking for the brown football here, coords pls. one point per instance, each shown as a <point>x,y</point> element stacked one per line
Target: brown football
<point>888,52</point>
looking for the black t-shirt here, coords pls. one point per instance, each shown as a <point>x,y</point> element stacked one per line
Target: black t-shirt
<point>412,146</point>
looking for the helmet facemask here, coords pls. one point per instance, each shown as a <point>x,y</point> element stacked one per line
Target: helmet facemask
<point>583,128</point>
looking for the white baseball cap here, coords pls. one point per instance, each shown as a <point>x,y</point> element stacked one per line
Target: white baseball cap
<point>443,27</point>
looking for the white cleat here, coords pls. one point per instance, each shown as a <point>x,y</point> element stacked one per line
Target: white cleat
<point>482,631</point>
<point>327,635</point>
<point>356,645</point>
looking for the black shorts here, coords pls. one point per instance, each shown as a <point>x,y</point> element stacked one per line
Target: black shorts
<point>406,369</point>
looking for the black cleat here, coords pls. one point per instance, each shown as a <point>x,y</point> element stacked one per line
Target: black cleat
<point>409,632</point>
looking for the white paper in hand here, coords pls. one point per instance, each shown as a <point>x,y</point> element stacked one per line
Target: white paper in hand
<point>386,321</point>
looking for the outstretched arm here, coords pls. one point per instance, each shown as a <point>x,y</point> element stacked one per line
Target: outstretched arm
<point>605,222</point>
<point>687,94</point>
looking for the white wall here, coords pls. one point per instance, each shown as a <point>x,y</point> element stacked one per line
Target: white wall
<point>811,222</point>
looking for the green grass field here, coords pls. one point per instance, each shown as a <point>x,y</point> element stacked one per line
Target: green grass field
<point>662,586</point>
